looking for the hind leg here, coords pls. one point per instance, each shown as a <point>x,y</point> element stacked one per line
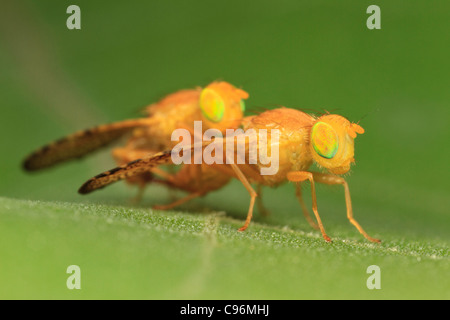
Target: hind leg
<point>178,202</point>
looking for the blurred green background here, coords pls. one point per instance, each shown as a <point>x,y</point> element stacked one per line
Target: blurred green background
<point>300,54</point>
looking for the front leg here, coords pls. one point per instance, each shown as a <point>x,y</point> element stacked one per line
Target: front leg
<point>331,179</point>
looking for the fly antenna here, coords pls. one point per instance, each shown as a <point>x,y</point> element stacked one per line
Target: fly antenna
<point>371,111</point>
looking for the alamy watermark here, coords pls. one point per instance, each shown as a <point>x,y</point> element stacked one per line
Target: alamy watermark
<point>241,147</point>
<point>74,20</point>
<point>374,280</point>
<point>374,20</point>
<point>74,280</point>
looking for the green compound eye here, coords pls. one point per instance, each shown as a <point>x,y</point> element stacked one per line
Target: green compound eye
<point>242,105</point>
<point>325,140</point>
<point>212,105</point>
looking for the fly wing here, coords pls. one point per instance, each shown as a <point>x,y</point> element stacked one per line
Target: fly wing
<point>79,144</point>
<point>134,168</point>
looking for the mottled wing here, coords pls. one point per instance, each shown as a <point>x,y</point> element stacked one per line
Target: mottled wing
<point>79,144</point>
<point>134,168</point>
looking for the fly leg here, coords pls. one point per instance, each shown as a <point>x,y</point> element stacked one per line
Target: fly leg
<point>250,190</point>
<point>299,176</point>
<point>138,197</point>
<point>259,204</point>
<point>160,172</point>
<point>332,179</point>
<point>178,202</point>
<point>298,193</point>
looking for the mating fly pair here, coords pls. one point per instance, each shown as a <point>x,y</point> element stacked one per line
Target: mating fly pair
<point>303,139</point>
<point>218,106</point>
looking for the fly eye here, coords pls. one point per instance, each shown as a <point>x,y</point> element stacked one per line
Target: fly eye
<point>242,105</point>
<point>324,140</point>
<point>212,105</point>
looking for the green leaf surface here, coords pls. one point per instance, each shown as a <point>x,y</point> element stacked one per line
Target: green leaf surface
<point>127,253</point>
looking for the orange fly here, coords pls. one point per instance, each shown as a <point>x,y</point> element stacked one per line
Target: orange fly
<point>219,105</point>
<point>303,139</point>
